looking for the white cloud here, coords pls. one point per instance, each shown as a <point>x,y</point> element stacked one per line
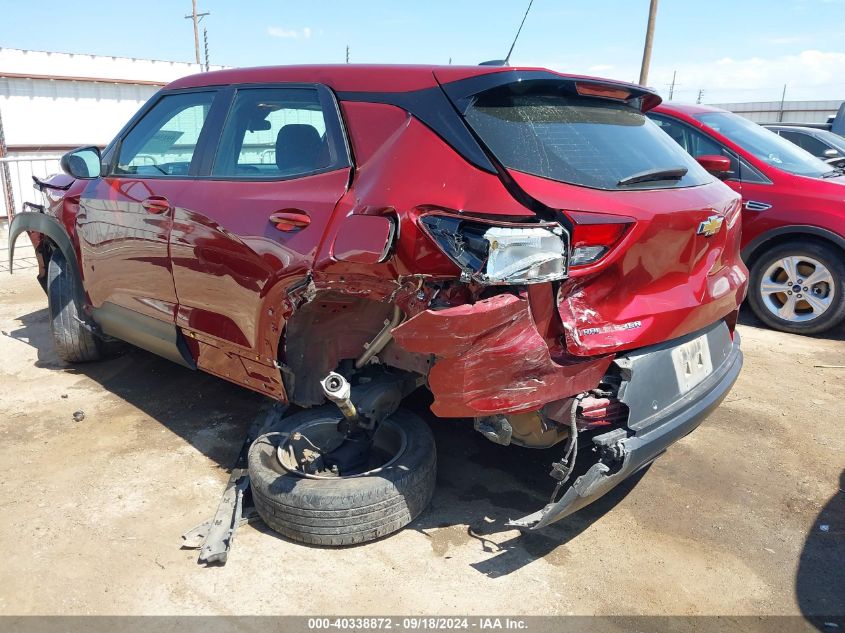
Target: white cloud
<point>278,31</point>
<point>601,68</point>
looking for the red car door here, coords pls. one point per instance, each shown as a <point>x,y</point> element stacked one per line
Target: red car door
<point>252,228</point>
<point>125,218</point>
<point>756,190</point>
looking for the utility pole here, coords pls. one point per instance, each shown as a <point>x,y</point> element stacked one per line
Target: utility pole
<point>672,85</point>
<point>205,44</point>
<point>782,99</point>
<point>649,37</point>
<point>347,53</point>
<point>197,18</point>
<point>700,95</point>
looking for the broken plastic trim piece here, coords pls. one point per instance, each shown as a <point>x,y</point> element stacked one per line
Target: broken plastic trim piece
<point>638,450</point>
<point>214,538</point>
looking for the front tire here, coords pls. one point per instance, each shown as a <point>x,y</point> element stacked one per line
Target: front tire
<point>74,343</point>
<point>799,287</point>
<point>342,511</point>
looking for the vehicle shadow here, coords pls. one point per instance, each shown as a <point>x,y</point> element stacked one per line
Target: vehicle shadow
<point>480,485</point>
<point>747,317</point>
<point>820,580</point>
<point>209,413</point>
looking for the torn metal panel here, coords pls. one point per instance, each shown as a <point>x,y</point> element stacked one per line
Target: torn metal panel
<point>492,359</point>
<point>321,333</point>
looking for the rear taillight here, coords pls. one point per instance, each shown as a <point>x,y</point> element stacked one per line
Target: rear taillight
<point>591,242</point>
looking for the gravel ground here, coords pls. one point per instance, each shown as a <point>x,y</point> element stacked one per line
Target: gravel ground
<point>744,516</point>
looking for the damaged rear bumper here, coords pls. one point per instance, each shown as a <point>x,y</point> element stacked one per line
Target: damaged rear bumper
<point>659,416</point>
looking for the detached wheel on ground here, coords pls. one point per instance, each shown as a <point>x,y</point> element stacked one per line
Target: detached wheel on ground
<point>342,510</point>
<point>73,342</point>
<point>798,287</point>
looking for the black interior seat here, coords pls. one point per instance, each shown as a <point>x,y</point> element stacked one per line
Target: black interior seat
<point>297,148</point>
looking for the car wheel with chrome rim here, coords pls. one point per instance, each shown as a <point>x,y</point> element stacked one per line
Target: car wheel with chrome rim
<point>798,287</point>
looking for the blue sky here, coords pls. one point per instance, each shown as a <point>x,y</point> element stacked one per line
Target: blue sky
<point>735,50</point>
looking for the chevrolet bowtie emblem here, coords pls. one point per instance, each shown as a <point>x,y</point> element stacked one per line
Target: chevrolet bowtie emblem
<point>710,226</point>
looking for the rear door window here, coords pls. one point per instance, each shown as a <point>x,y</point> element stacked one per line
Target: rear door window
<point>579,140</point>
<point>807,142</point>
<point>697,143</point>
<point>278,133</point>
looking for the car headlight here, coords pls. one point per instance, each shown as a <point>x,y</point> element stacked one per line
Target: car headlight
<point>491,254</point>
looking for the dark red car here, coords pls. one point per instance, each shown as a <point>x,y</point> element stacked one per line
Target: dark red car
<point>526,245</point>
<point>793,235</point>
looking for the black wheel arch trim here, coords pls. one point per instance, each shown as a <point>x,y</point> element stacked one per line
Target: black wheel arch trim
<point>755,245</point>
<point>52,228</point>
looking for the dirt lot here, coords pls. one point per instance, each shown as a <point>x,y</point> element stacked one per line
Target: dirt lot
<point>745,516</point>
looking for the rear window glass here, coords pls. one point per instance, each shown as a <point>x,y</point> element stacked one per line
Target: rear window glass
<point>583,141</point>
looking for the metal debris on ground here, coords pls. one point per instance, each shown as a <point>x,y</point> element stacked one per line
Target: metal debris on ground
<point>78,416</point>
<point>214,537</point>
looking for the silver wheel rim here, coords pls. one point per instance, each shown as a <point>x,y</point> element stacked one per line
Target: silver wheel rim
<point>797,288</point>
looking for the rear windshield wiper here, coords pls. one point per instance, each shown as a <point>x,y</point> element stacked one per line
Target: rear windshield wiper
<point>670,173</point>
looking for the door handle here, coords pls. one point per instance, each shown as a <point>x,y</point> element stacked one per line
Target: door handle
<point>290,220</point>
<point>156,204</point>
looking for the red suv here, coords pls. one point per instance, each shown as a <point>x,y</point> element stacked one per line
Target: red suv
<point>526,245</point>
<point>793,226</point>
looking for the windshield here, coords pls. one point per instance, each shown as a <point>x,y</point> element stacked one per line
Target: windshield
<point>583,141</point>
<point>765,144</point>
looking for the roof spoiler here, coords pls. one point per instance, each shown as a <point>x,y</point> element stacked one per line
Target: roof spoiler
<point>463,91</point>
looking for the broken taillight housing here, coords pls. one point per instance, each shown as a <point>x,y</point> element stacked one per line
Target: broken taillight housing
<point>591,242</point>
<point>496,254</point>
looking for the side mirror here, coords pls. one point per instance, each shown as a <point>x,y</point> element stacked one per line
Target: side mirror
<point>831,153</point>
<point>719,166</point>
<point>84,163</point>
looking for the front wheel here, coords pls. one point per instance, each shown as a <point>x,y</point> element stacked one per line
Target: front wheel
<point>74,343</point>
<point>798,287</point>
<point>326,509</point>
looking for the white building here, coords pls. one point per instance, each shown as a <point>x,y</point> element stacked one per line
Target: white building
<point>53,102</point>
<point>787,112</point>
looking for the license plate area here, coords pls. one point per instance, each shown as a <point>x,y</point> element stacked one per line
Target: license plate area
<point>692,363</point>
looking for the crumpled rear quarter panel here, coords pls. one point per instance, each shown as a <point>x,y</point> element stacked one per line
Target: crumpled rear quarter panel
<point>492,359</point>
<point>663,280</point>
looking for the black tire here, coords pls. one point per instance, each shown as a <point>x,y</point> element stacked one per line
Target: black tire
<point>73,342</point>
<point>342,511</point>
<point>829,256</point>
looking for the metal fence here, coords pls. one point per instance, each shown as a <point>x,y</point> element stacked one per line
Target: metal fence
<point>21,169</point>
